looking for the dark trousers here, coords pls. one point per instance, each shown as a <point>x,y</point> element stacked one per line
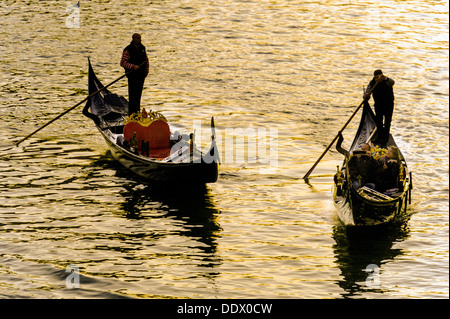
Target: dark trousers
<point>135,87</point>
<point>383,118</point>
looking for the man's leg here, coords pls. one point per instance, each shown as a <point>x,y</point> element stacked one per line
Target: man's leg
<point>133,103</point>
<point>388,118</point>
<point>379,122</point>
<point>139,87</point>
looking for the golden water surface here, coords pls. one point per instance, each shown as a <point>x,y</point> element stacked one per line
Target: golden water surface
<point>296,67</point>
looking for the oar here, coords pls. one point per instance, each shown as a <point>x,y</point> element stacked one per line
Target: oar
<point>73,107</point>
<point>336,137</point>
<point>321,175</point>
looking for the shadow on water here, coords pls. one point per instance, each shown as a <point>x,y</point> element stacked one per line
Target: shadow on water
<point>359,250</point>
<point>192,208</point>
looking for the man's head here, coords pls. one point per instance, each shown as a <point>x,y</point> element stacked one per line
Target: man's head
<point>365,147</point>
<point>363,150</point>
<point>377,72</point>
<point>136,39</point>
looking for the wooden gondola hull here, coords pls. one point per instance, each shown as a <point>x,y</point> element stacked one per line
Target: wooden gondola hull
<point>155,171</point>
<point>353,209</point>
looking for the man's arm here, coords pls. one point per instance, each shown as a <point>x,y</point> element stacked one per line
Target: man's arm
<point>124,61</point>
<point>389,82</point>
<point>147,65</point>
<point>367,92</point>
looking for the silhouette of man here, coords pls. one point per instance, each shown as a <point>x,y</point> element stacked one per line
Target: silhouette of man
<point>134,58</point>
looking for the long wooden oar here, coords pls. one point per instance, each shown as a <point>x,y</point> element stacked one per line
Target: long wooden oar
<point>336,137</point>
<point>73,107</point>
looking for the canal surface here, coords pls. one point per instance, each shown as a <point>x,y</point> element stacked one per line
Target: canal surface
<point>284,75</point>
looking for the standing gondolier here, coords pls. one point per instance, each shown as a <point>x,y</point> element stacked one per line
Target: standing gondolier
<point>383,95</point>
<point>133,58</point>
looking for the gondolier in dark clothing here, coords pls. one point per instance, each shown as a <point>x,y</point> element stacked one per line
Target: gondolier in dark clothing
<point>383,95</point>
<point>134,58</point>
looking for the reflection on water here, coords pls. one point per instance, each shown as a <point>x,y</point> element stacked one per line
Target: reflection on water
<point>358,247</point>
<point>191,208</point>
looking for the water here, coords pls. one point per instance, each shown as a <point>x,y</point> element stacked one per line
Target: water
<point>260,231</point>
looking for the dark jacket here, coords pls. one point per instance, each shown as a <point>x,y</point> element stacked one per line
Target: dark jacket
<point>383,92</point>
<point>135,57</point>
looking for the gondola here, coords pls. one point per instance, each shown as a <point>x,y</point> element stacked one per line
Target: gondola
<point>363,205</point>
<point>145,144</point>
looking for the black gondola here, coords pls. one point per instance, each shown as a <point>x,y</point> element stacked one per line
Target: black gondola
<point>369,205</point>
<point>177,161</point>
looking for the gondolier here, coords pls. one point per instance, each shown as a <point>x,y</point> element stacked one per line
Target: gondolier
<point>383,95</point>
<point>134,58</point>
